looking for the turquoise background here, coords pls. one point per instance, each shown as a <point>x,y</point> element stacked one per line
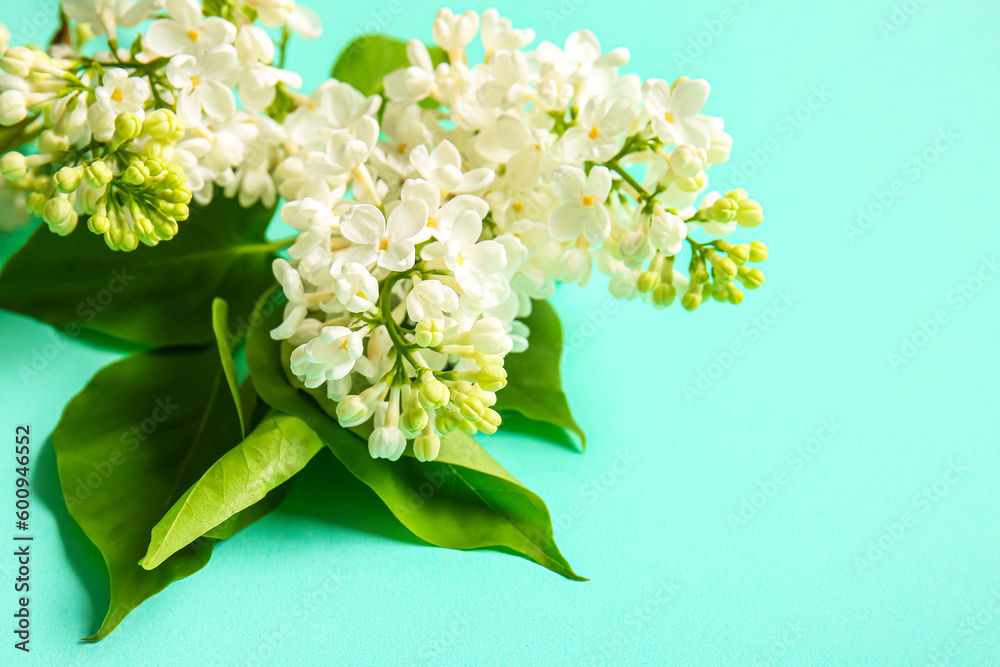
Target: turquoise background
<point>765,484</point>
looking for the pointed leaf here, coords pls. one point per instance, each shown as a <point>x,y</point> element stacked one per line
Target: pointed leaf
<point>128,446</point>
<point>534,386</point>
<point>220,323</point>
<point>464,500</point>
<point>251,515</point>
<point>153,296</point>
<point>276,450</point>
<point>366,61</point>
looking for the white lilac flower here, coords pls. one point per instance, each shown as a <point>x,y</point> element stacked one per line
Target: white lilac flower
<point>331,356</point>
<point>498,34</point>
<point>582,210</point>
<point>387,243</point>
<point>468,258</point>
<point>357,290</point>
<point>201,84</point>
<point>104,15</point>
<point>443,167</point>
<point>675,110</point>
<point>454,32</point>
<point>430,299</point>
<point>121,93</point>
<point>513,143</point>
<point>440,219</point>
<point>667,232</point>
<point>187,31</point>
<point>415,82</point>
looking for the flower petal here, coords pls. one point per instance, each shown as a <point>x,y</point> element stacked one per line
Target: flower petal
<point>217,99</point>
<point>689,96</point>
<point>408,219</point>
<point>166,38</point>
<point>468,226</point>
<point>363,224</point>
<point>486,257</point>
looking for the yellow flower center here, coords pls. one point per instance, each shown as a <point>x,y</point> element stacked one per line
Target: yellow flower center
<point>361,293</point>
<point>518,206</point>
<point>343,346</point>
<point>459,259</point>
<point>193,35</point>
<point>117,95</point>
<point>432,222</point>
<point>401,148</point>
<point>195,80</point>
<point>669,117</point>
<point>594,132</point>
<point>384,243</point>
<point>588,200</point>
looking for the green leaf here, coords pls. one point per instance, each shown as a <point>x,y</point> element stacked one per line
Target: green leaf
<point>154,296</point>
<point>255,411</point>
<point>366,61</point>
<point>276,450</point>
<point>220,323</point>
<point>464,500</point>
<point>251,515</point>
<point>142,431</point>
<point>534,387</point>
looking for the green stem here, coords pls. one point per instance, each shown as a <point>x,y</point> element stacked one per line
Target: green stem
<point>613,165</point>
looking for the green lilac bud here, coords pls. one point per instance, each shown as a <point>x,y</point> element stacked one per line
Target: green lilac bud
<point>127,127</point>
<point>428,333</point>
<point>13,166</point>
<point>723,210</point>
<point>17,60</point>
<point>737,195</point>
<point>68,179</point>
<point>648,281</point>
<point>433,393</point>
<point>415,420</point>
<point>52,142</point>
<point>98,223</point>
<point>162,124</point>
<point>133,176</point>
<point>12,108</point>
<point>445,423</point>
<point>35,203</point>
<point>739,253</point>
<point>691,301</point>
<point>471,408</point>
<point>751,213</point>
<point>693,183</point>
<point>734,294</point>
<point>427,447</point>
<point>751,278</point>
<point>98,174</point>
<point>724,266</point>
<point>59,215</point>
<point>758,252</point>
<point>492,378</point>
<point>664,295</point>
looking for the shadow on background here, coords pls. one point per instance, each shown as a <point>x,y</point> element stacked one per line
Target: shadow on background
<point>325,491</point>
<point>84,557</point>
<point>515,422</point>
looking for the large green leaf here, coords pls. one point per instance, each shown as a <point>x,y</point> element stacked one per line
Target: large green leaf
<point>276,450</point>
<point>128,446</point>
<point>463,500</point>
<point>153,296</point>
<point>366,61</point>
<point>534,386</point>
